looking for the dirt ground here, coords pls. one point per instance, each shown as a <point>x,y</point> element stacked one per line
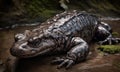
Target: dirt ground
<point>96,61</point>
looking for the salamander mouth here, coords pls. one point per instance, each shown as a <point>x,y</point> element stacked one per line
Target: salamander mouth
<point>28,51</point>
<point>24,50</point>
<point>34,55</point>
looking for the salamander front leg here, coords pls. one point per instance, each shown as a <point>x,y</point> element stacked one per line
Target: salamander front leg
<point>77,53</point>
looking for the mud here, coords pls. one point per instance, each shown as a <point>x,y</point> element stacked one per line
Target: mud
<point>96,61</point>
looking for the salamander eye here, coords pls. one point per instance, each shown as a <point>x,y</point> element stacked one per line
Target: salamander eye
<point>33,39</point>
<point>34,42</point>
<point>30,40</point>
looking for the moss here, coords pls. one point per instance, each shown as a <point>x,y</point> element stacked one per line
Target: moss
<point>115,34</point>
<point>41,8</point>
<point>47,8</point>
<point>110,48</point>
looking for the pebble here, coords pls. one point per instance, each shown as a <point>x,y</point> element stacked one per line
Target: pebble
<point>90,53</point>
<point>106,54</point>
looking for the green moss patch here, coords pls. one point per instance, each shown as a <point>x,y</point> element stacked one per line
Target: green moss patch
<point>115,34</point>
<point>112,49</point>
<point>40,8</point>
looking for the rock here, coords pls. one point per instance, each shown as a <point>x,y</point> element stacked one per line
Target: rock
<point>117,54</point>
<point>106,54</point>
<point>90,53</point>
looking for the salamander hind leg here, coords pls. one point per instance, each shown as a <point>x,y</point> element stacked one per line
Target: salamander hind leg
<point>104,35</point>
<point>77,53</point>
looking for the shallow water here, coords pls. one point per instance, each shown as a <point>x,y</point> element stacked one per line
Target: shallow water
<point>96,62</point>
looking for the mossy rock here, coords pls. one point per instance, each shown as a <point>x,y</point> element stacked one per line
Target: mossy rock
<point>112,49</point>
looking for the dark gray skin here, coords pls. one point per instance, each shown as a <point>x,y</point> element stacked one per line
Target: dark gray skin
<point>69,32</point>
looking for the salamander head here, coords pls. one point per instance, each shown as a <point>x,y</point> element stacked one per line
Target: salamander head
<point>27,45</point>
